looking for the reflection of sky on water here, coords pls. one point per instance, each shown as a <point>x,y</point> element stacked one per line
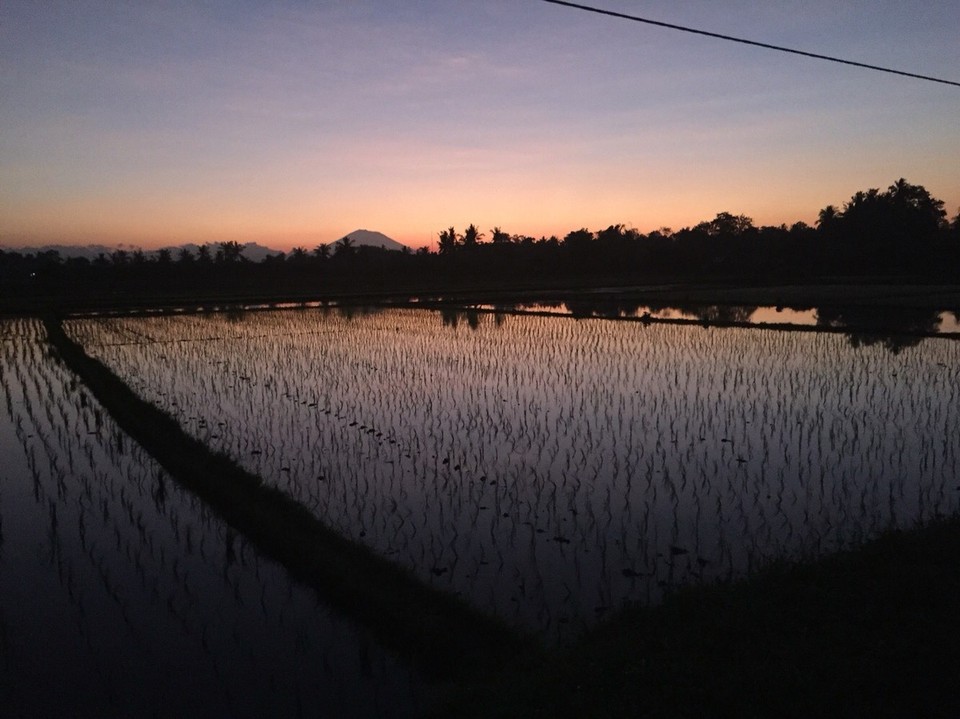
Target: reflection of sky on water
<point>783,315</point>
<point>945,322</point>
<point>121,595</point>
<point>941,322</point>
<point>950,322</point>
<point>549,469</point>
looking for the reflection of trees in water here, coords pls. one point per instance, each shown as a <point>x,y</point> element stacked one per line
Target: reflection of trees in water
<point>235,315</point>
<point>582,307</point>
<point>550,469</point>
<point>660,310</point>
<point>134,576</point>
<point>894,328</point>
<point>349,312</point>
<point>720,313</point>
<point>505,308</point>
<point>452,317</point>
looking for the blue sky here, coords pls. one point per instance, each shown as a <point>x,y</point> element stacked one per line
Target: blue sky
<point>293,123</point>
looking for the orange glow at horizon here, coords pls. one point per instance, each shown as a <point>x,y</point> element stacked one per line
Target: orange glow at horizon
<point>296,126</point>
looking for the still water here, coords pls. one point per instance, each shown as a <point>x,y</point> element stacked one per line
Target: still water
<point>550,469</point>
<point>121,595</point>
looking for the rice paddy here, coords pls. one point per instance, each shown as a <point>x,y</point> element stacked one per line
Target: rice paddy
<point>123,595</point>
<point>547,469</point>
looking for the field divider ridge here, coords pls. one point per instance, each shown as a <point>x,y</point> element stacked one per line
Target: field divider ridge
<point>437,632</point>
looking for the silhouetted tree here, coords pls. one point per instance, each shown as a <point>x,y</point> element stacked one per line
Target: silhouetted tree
<point>77,264</point>
<point>229,252</point>
<point>890,229</point>
<point>827,220</point>
<point>901,231</point>
<point>472,236</point>
<point>49,259</point>
<point>344,247</point>
<point>578,238</point>
<point>915,212</point>
<point>611,236</point>
<point>578,246</point>
<point>726,224</point>
<point>448,241</point>
<point>955,226</point>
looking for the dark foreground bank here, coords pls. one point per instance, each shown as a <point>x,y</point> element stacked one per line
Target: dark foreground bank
<point>867,633</point>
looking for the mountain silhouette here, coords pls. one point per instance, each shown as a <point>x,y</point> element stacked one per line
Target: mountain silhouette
<point>251,250</point>
<point>371,238</point>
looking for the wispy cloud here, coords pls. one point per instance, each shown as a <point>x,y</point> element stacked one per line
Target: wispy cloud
<point>211,118</point>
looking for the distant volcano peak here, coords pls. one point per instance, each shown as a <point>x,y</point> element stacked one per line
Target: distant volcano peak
<point>371,238</point>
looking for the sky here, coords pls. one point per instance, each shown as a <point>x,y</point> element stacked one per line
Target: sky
<point>294,122</point>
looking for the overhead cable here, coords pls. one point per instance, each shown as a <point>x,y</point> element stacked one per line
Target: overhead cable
<point>768,46</point>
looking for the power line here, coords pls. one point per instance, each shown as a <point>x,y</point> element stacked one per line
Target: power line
<point>681,28</point>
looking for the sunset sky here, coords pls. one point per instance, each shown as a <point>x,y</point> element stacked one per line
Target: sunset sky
<point>292,123</point>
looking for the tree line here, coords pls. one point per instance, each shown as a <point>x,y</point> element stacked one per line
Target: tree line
<point>900,232</point>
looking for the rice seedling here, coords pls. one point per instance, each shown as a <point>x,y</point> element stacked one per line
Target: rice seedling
<point>591,462</point>
<point>121,594</point>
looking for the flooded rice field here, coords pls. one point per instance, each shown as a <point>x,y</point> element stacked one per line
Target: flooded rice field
<point>549,469</point>
<point>121,595</point>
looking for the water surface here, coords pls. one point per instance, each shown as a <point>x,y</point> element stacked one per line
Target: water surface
<point>548,468</point>
<point>121,595</point>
